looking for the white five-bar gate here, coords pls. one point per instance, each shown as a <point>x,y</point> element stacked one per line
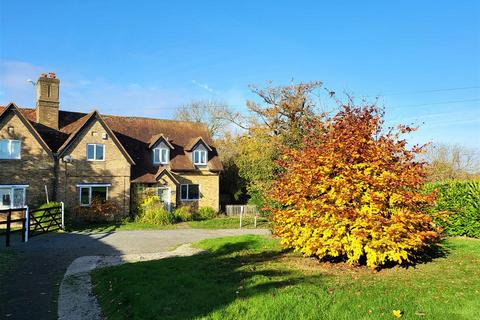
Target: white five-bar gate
<point>31,223</point>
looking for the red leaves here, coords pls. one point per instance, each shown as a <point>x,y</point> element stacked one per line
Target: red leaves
<point>352,191</point>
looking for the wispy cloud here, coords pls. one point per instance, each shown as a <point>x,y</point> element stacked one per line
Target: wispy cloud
<point>13,82</point>
<point>205,87</point>
<point>81,93</point>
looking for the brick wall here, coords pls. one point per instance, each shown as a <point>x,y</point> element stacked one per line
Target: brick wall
<point>209,187</point>
<point>35,168</point>
<point>115,169</point>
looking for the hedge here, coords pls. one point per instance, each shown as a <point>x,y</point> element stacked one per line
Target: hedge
<point>461,201</point>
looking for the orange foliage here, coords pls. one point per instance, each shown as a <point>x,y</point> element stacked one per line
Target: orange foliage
<point>353,191</point>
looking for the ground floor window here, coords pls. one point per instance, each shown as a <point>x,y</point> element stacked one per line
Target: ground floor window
<point>12,196</point>
<point>190,192</point>
<point>90,192</point>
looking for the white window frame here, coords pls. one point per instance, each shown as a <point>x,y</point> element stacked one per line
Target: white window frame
<point>200,152</point>
<point>10,149</point>
<point>89,187</point>
<point>188,199</point>
<point>95,151</point>
<point>12,187</point>
<point>160,152</point>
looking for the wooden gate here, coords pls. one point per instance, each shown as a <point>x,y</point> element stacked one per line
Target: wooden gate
<point>45,220</point>
<point>31,223</point>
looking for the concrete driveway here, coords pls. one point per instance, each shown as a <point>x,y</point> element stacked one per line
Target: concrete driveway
<point>30,289</point>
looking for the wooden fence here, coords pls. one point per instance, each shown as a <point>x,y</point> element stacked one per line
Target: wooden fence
<point>242,211</point>
<point>7,222</point>
<point>32,222</point>
<point>236,210</point>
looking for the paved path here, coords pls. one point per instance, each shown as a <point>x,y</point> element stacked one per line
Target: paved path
<point>30,289</point>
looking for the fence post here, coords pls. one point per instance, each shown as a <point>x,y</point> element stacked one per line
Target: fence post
<point>63,215</point>
<point>7,235</point>
<point>27,222</point>
<point>23,229</point>
<point>241,216</point>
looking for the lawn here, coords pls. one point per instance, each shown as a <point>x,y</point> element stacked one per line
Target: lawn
<point>251,277</point>
<point>217,223</point>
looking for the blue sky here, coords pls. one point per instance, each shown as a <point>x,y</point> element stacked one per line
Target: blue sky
<point>148,57</point>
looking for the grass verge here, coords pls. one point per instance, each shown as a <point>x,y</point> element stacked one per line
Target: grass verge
<point>251,277</point>
<point>216,223</point>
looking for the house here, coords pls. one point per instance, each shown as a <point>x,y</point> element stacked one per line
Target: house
<point>76,157</point>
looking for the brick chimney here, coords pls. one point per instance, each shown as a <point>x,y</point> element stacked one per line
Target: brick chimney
<point>47,105</point>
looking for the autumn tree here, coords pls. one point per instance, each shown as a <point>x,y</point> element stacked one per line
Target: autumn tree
<point>215,114</point>
<point>232,187</point>
<point>353,191</point>
<point>276,118</point>
<point>284,110</point>
<point>449,162</point>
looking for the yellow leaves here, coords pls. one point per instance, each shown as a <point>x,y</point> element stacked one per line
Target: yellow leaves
<point>356,194</point>
<point>397,313</point>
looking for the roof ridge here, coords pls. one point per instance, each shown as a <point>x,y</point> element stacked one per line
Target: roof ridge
<point>150,118</point>
<point>122,116</point>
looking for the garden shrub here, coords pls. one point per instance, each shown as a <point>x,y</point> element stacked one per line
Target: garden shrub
<point>99,211</point>
<point>460,200</point>
<point>205,213</point>
<point>152,211</point>
<point>353,191</point>
<point>183,213</point>
<point>50,204</point>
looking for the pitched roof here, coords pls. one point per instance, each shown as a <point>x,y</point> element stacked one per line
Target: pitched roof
<point>12,107</point>
<point>194,141</point>
<point>84,121</point>
<point>158,137</point>
<point>135,134</point>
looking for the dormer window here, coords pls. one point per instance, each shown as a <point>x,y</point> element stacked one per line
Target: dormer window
<point>200,156</point>
<point>160,147</point>
<point>161,155</point>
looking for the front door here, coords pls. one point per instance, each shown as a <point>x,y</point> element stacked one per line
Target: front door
<point>164,195</point>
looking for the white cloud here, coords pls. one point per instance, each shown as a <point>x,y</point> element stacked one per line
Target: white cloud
<point>13,82</point>
<point>204,86</point>
<point>80,93</point>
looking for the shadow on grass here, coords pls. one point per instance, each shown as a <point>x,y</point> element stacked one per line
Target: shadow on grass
<point>191,287</point>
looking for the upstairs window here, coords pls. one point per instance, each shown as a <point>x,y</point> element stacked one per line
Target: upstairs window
<point>189,192</point>
<point>10,149</point>
<point>95,152</point>
<point>200,157</point>
<point>161,155</point>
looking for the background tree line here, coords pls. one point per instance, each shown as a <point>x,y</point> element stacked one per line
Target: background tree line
<point>250,143</point>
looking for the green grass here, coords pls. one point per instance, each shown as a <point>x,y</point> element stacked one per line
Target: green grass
<point>250,277</point>
<point>228,223</point>
<point>118,226</point>
<point>217,223</point>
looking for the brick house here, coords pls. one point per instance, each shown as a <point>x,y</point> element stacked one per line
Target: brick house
<point>75,157</point>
